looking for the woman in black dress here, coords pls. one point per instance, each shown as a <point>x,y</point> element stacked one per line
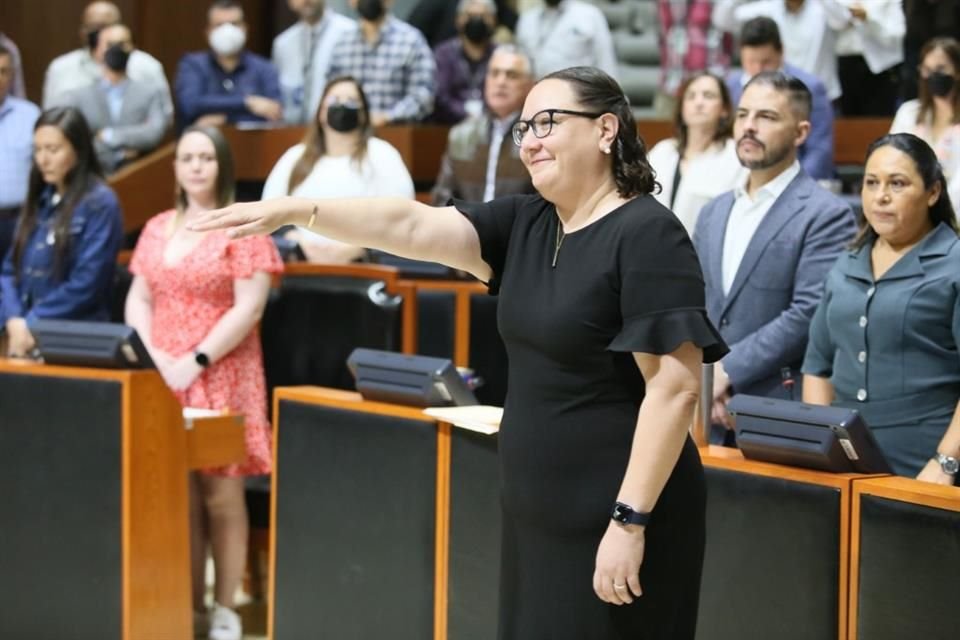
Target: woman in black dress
<point>602,313</point>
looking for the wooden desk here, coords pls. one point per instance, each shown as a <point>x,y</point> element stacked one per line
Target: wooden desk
<point>93,465</point>
<point>776,563</point>
<point>358,518</point>
<point>905,553</point>
<point>376,502</point>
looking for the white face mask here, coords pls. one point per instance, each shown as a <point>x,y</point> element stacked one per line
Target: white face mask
<point>227,39</point>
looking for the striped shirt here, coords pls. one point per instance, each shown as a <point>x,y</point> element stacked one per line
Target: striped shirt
<point>397,72</point>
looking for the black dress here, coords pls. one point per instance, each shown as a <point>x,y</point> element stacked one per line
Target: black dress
<point>628,282</point>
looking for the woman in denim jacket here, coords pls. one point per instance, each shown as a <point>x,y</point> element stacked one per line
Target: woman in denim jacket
<point>62,260</point>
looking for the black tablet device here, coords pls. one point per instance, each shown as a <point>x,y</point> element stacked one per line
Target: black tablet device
<point>419,381</point>
<point>90,344</point>
<point>806,435</point>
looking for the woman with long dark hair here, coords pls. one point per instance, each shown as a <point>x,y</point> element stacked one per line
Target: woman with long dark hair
<point>700,162</point>
<point>935,115</point>
<point>64,252</point>
<point>196,301</point>
<point>885,337</point>
<point>338,158</point>
<point>602,313</point>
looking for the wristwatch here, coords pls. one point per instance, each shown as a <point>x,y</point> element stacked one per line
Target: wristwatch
<point>624,514</point>
<point>948,464</point>
<point>202,359</point>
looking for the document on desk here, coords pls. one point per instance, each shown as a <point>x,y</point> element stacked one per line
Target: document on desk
<point>480,418</point>
<point>199,412</point>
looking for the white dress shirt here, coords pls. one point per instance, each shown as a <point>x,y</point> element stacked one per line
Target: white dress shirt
<point>745,217</point>
<point>498,129</point>
<point>572,34</point>
<point>879,38</point>
<point>78,70</point>
<point>302,78</point>
<point>809,36</point>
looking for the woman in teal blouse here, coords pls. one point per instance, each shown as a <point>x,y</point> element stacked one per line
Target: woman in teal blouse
<point>886,337</point>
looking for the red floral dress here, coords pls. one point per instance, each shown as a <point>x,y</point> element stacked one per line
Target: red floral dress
<point>189,298</point>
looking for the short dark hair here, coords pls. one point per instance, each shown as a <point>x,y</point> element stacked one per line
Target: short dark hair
<point>759,32</point>
<point>596,91</point>
<point>928,166</point>
<point>798,94</point>
<point>225,4</point>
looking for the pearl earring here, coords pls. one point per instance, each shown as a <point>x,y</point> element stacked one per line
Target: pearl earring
<point>606,150</point>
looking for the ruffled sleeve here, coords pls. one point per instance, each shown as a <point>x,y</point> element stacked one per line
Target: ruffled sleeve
<point>494,222</point>
<point>662,291</point>
<point>253,254</point>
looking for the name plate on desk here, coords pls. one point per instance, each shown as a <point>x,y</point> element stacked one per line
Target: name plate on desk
<point>214,439</point>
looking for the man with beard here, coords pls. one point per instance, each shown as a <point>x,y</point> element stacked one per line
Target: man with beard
<point>125,115</point>
<point>391,60</point>
<point>761,49</point>
<point>567,33</point>
<point>766,247</point>
<point>462,62</point>
<point>301,55</point>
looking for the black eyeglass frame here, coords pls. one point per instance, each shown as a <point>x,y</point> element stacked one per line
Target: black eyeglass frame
<point>518,131</point>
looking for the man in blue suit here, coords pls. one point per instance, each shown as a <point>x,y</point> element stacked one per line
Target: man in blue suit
<point>762,50</point>
<point>766,247</point>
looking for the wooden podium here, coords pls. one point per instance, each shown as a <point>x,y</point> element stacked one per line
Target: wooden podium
<point>93,465</point>
<point>904,555</point>
<point>777,556</point>
<point>358,518</point>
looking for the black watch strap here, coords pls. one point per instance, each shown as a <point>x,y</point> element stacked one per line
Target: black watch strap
<point>625,514</point>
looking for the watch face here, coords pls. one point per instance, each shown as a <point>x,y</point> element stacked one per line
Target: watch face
<point>950,465</point>
<point>619,513</point>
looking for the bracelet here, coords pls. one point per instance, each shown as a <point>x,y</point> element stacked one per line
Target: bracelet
<point>313,218</point>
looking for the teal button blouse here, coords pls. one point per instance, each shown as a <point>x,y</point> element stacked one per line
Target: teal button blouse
<point>890,345</point>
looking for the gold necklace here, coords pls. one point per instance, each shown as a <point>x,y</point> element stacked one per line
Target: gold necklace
<point>556,249</point>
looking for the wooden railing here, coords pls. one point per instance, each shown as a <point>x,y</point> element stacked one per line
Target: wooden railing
<point>145,187</point>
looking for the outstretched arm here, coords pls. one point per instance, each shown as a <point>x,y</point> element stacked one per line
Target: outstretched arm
<point>396,225</point>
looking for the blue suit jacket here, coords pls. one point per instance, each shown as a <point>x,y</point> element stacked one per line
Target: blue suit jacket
<point>816,154</point>
<point>766,316</point>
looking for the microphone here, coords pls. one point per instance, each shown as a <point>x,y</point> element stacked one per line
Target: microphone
<point>786,379</point>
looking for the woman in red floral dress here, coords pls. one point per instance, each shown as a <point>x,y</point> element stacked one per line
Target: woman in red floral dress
<point>196,301</point>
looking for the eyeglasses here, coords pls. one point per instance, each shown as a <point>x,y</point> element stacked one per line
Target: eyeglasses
<point>542,123</point>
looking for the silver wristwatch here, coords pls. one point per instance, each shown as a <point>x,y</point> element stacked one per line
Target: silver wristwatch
<point>948,464</point>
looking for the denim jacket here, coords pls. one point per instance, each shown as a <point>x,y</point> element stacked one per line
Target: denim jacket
<point>83,291</point>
